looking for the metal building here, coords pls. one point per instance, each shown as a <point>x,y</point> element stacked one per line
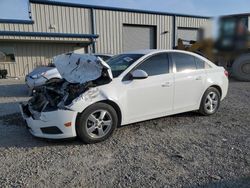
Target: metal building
<point>56,27</point>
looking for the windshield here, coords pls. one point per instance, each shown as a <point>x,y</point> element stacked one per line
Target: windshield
<point>120,63</point>
<point>234,26</point>
<point>228,27</point>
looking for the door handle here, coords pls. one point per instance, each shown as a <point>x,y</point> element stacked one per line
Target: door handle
<point>166,84</point>
<point>198,78</point>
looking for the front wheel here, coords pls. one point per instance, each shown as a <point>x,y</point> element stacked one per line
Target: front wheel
<point>96,123</point>
<point>210,102</point>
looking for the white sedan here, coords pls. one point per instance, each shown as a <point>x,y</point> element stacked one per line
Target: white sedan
<point>131,87</point>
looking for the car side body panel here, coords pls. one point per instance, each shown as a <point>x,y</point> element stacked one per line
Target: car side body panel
<point>149,97</point>
<point>186,95</point>
<point>98,94</point>
<point>189,86</point>
<point>216,77</point>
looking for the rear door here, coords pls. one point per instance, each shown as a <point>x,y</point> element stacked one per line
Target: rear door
<point>189,79</point>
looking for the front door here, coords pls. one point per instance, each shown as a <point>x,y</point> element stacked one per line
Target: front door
<point>151,97</point>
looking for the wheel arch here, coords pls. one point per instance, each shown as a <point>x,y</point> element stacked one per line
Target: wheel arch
<point>202,109</point>
<point>116,107</point>
<point>212,86</point>
<point>109,102</point>
<point>216,87</point>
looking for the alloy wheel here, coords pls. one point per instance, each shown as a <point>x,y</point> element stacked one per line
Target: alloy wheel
<point>99,123</point>
<point>211,102</point>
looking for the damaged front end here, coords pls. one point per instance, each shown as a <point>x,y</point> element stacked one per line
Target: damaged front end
<point>80,73</point>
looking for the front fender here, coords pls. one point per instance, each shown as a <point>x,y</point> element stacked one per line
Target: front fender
<point>90,97</point>
<point>52,74</point>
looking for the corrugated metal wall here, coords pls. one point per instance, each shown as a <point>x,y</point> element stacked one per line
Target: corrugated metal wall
<point>30,55</point>
<point>77,20</point>
<point>190,22</point>
<point>109,26</point>
<point>65,19</point>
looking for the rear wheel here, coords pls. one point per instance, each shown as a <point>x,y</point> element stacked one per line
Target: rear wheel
<point>210,102</point>
<point>241,68</point>
<point>96,123</point>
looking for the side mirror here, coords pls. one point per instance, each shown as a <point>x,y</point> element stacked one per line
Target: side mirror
<point>139,74</point>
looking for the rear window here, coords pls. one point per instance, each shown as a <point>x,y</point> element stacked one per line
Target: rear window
<point>184,62</point>
<point>199,63</point>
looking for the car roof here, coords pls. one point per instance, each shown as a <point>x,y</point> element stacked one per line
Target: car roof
<point>152,51</point>
<point>144,52</point>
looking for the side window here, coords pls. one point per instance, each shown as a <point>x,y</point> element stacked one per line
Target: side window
<point>183,62</point>
<point>156,65</point>
<point>200,63</point>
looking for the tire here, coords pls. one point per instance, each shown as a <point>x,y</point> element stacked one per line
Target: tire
<point>241,68</point>
<point>96,123</point>
<point>211,96</point>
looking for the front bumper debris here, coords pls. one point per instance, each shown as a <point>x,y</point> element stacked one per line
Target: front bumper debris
<point>50,124</point>
<point>48,113</point>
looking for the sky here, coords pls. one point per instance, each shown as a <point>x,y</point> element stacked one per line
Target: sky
<point>18,9</point>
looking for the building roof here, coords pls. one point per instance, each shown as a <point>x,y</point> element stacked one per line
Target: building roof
<point>15,21</point>
<point>113,8</point>
<point>42,34</point>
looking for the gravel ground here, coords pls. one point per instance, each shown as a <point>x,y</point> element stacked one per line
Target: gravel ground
<point>186,150</point>
<point>12,91</point>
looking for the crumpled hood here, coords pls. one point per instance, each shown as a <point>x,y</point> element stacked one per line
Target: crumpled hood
<point>80,68</point>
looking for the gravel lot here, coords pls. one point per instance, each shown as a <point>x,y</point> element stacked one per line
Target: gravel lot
<point>186,150</point>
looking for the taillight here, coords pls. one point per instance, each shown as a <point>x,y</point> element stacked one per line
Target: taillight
<point>226,73</point>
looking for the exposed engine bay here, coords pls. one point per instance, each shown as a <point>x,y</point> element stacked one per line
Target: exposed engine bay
<point>79,73</point>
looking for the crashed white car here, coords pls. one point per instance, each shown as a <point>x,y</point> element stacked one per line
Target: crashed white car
<point>95,97</point>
